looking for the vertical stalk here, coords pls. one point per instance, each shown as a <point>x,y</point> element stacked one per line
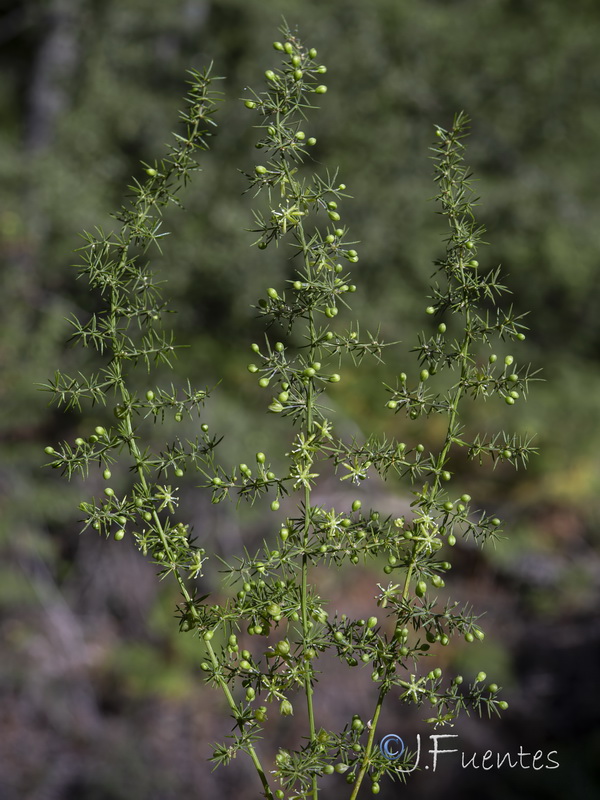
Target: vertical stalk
<point>308,687</point>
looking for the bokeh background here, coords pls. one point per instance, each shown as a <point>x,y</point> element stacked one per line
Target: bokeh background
<point>100,696</point>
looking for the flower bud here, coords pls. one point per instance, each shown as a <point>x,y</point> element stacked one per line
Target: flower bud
<point>286,709</point>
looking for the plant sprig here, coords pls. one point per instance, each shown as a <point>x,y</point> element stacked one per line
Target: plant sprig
<point>264,643</point>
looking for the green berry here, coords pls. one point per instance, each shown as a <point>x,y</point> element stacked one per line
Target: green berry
<point>321,89</point>
<point>508,360</point>
<point>250,104</point>
<point>275,505</point>
<point>282,648</point>
<point>272,293</point>
<point>469,637</point>
<point>480,677</point>
<point>392,404</point>
<point>510,401</point>
<point>430,310</point>
<point>50,451</point>
<point>119,534</point>
<point>328,769</point>
<point>298,74</point>
<point>107,474</point>
<point>442,327</point>
<point>278,46</point>
<point>311,141</point>
<point>371,622</point>
<point>335,378</point>
<point>503,705</point>
<point>420,588</point>
<point>312,53</point>
<point>270,75</point>
<point>109,492</point>
<point>356,505</point>
<point>492,688</point>
<point>451,540</point>
<point>424,374</point>
<point>263,383</point>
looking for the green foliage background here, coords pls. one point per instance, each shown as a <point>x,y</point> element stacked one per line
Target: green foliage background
<point>87,90</point>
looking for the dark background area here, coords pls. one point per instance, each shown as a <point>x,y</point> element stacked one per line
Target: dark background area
<point>101,697</point>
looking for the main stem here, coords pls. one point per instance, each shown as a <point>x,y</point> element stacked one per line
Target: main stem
<point>308,687</point>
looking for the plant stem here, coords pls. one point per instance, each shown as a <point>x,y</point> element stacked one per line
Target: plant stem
<point>369,745</point>
<point>308,687</point>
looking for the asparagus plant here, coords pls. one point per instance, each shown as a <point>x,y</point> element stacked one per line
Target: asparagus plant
<point>265,639</point>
